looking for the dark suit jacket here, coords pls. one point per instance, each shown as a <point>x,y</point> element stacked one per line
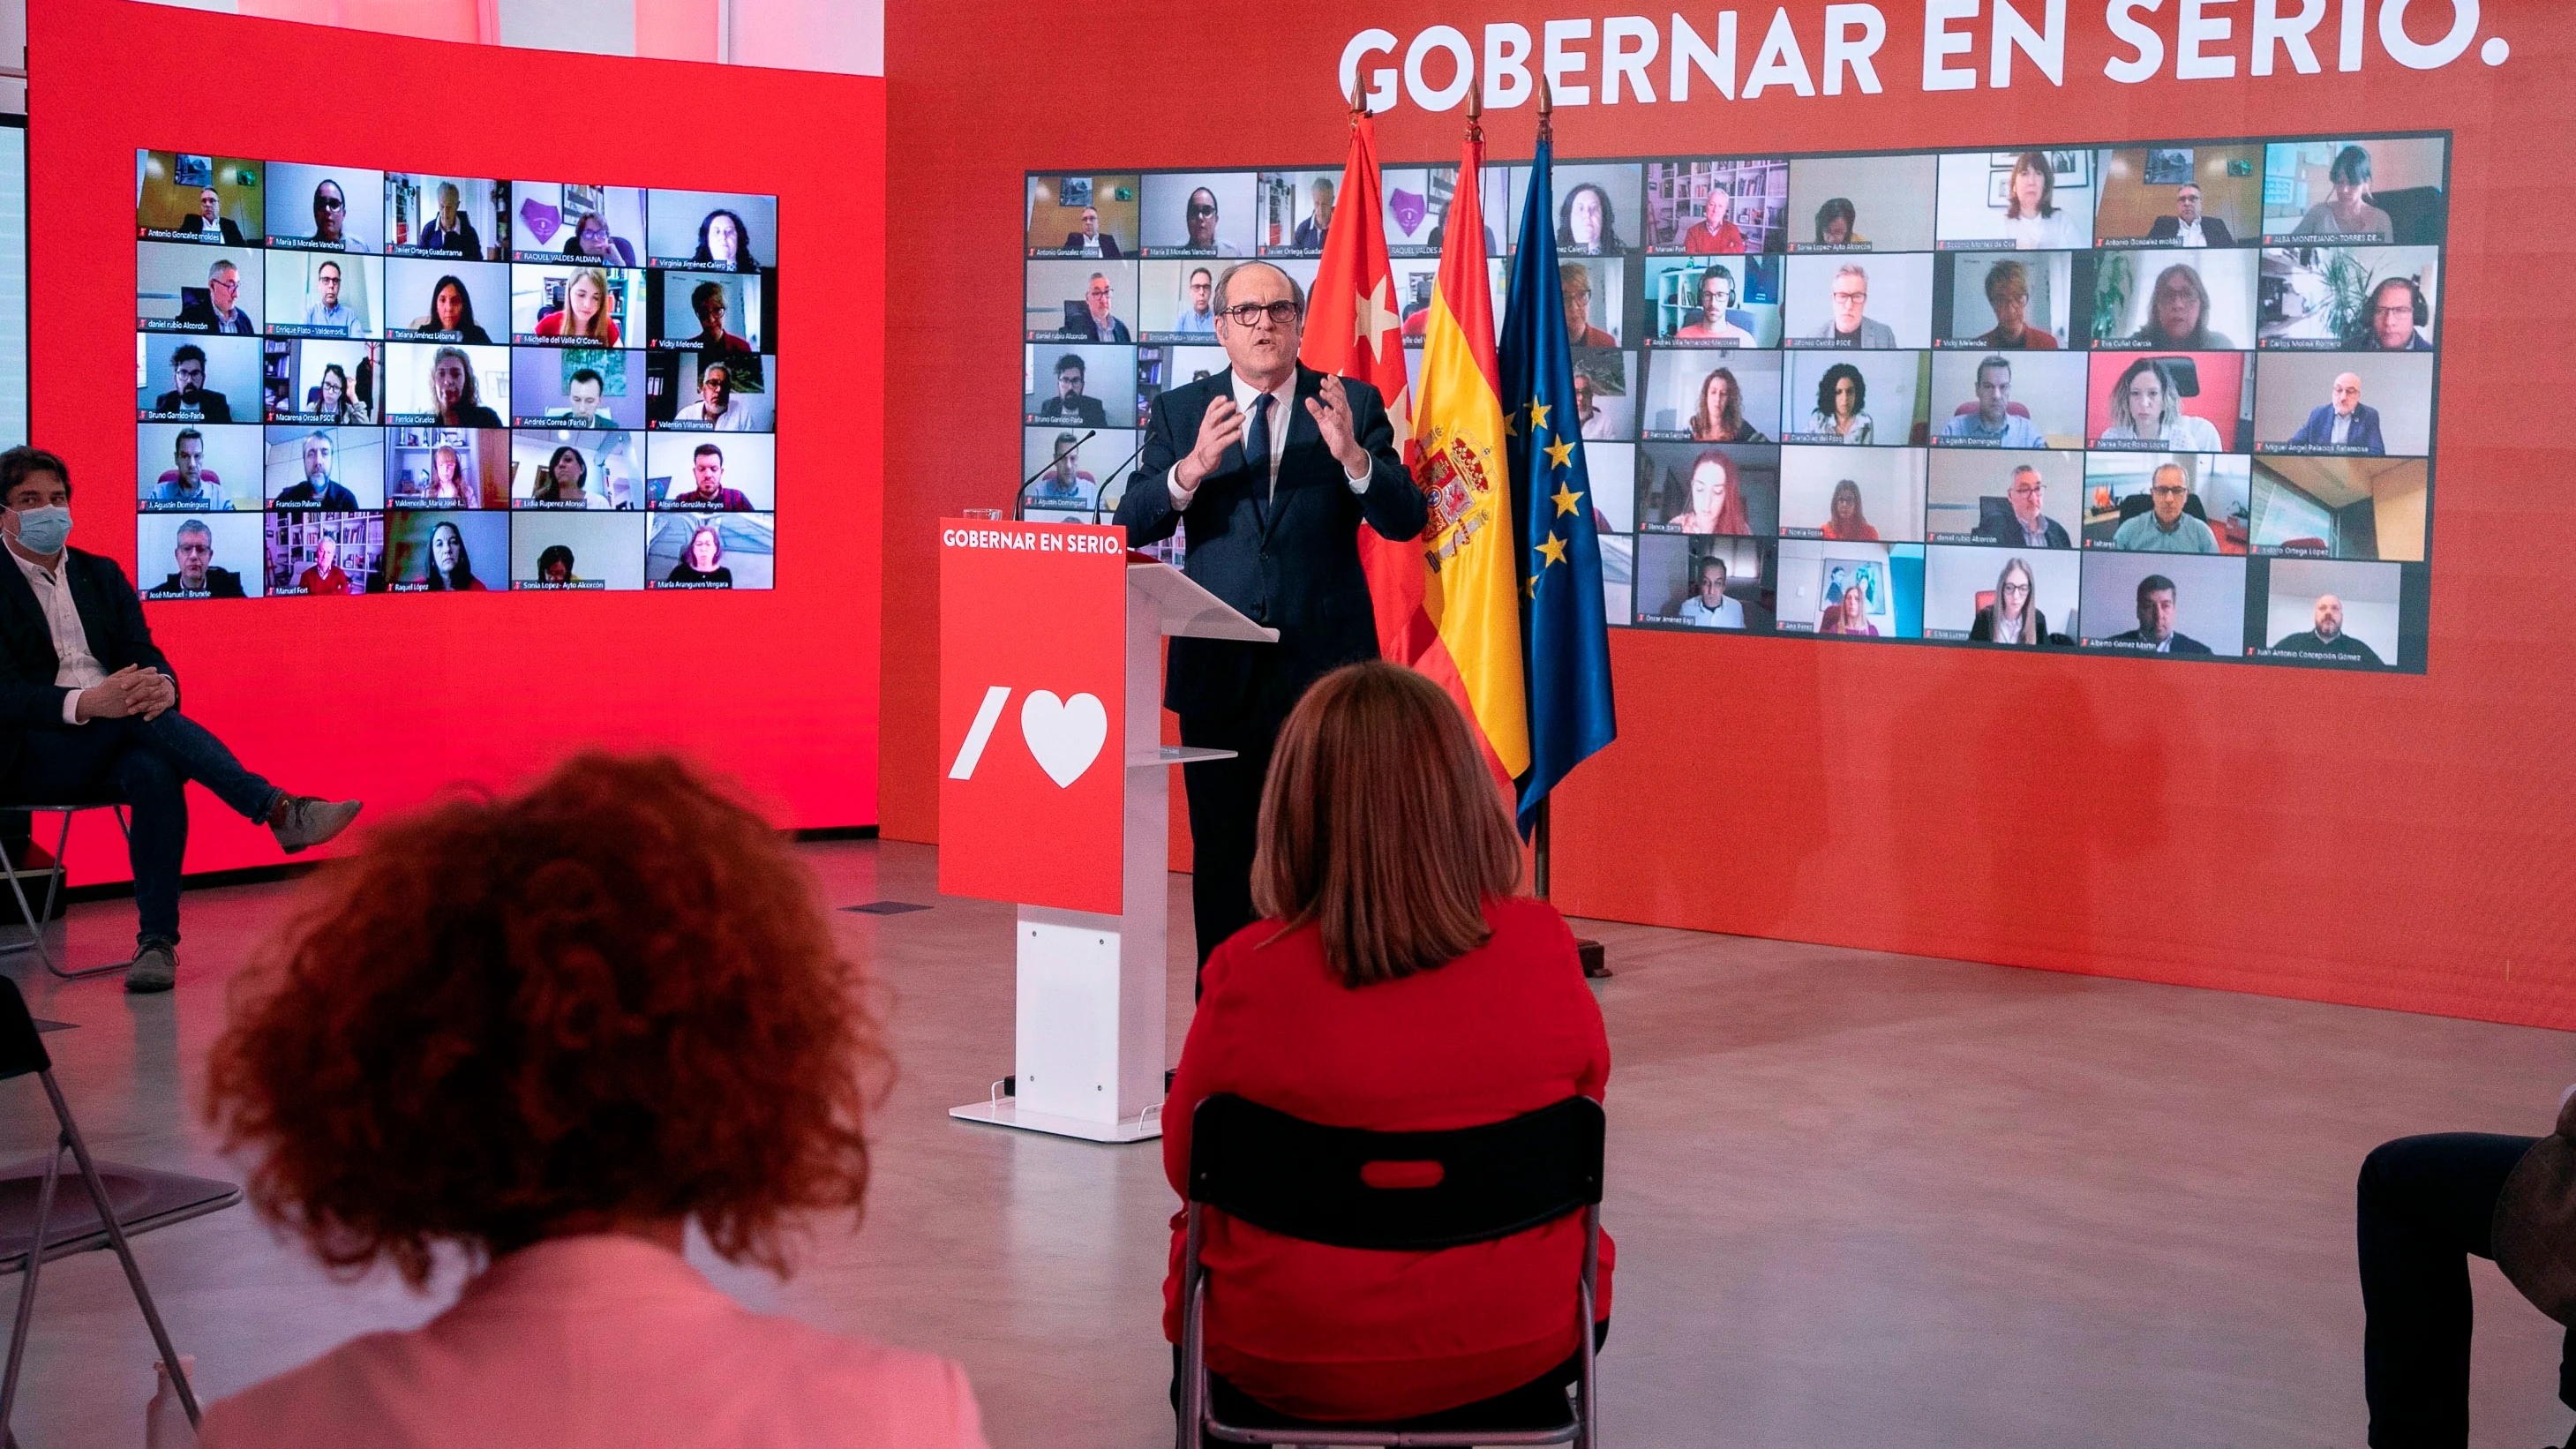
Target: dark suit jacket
<point>232,233</point>
<point>1108,243</point>
<point>1117,332</point>
<point>2212,230</point>
<point>2182,643</point>
<point>111,617</point>
<point>1291,562</point>
<point>202,314</point>
<point>220,584</point>
<point>2009,532</point>
<point>1082,408</point>
<point>2318,430</point>
<point>214,405</point>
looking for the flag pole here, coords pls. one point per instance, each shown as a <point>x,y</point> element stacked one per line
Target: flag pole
<point>1589,951</point>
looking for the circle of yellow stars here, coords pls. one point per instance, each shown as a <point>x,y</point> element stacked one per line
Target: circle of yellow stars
<point>1549,552</point>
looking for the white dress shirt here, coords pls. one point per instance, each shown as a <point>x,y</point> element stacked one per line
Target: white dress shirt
<point>2188,233</point>
<point>1282,398</point>
<point>2341,436</point>
<point>78,669</point>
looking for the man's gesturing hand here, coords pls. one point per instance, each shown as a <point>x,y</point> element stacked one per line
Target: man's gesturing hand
<point>1221,428</point>
<point>1332,410</point>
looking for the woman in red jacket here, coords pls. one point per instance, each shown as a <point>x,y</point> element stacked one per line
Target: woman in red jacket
<point>1395,984</point>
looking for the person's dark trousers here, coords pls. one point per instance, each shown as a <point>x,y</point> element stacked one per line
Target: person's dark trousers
<point>147,764</point>
<point>2426,1203</point>
<point>1225,813</point>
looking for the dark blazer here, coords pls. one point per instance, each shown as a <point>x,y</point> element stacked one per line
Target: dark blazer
<point>202,314</point>
<point>232,233</point>
<point>110,615</point>
<point>2008,531</point>
<point>2182,643</point>
<point>1291,562</point>
<point>1092,331</point>
<point>1108,243</point>
<point>1081,407</point>
<point>210,402</point>
<point>2212,230</point>
<point>2318,430</point>
<point>220,584</point>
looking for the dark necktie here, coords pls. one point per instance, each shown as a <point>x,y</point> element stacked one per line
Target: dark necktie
<point>1256,439</point>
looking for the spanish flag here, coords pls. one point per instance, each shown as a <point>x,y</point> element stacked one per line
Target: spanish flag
<point>1461,465</point>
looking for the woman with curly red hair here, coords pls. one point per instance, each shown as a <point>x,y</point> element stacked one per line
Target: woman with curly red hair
<point>551,1031</point>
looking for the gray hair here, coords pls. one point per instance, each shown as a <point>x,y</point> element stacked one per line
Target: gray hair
<point>196,525</point>
<point>1225,280</point>
<point>219,268</point>
<point>1853,269</point>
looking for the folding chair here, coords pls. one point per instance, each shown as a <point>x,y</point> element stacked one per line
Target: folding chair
<point>123,1201</point>
<point>1303,1180</point>
<point>53,884</point>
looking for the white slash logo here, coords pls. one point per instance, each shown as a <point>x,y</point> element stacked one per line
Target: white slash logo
<point>1063,735</point>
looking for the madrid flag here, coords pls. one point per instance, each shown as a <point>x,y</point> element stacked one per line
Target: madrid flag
<point>1354,330</point>
<point>1471,594</point>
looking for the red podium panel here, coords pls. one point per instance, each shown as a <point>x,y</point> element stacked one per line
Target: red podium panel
<point>1032,712</point>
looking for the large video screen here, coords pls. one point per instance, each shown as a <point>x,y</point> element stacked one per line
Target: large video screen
<point>2169,399</point>
<point>370,382</point>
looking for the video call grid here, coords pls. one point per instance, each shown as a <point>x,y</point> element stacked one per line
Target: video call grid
<point>2269,312</point>
<point>447,390</point>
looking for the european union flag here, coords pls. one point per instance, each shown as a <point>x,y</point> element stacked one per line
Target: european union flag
<point>1563,634</point>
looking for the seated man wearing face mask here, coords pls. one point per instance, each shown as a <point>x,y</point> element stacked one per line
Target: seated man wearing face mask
<point>89,710</point>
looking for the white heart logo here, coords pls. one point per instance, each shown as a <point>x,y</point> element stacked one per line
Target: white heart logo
<point>1064,734</point>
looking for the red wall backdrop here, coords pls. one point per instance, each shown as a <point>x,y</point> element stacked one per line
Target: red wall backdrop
<point>2401,842</point>
<point>383,697</point>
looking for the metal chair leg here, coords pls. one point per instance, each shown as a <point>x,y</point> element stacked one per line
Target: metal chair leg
<point>124,1251</point>
<point>27,1293</point>
<point>53,886</point>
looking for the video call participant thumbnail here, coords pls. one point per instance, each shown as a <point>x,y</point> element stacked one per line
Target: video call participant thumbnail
<point>324,380</point>
<point>432,300</point>
<point>2167,526</point>
<point>576,552</point>
<point>1708,607</point>
<point>2025,525</point>
<point>1198,213</point>
<point>573,471</point>
<point>184,467</point>
<point>718,407</point>
<point>2325,638</point>
<point>556,219</point>
<point>711,230</point>
<point>1601,396</point>
<point>577,388</point>
<point>2189,226</point>
<point>316,485</point>
<point>2188,198</point>
<point>2393,318</point>
<point>707,488</point>
<point>444,385</point>
<point>2178,312</point>
<point>1716,319</point>
<point>1065,483</point>
<point>334,295</point>
<point>195,574</point>
<point>2144,404</point>
<point>707,313</point>
<point>2346,212</point>
<point>216,295</point>
<point>1862,203</point>
<point>575,306</point>
<point>2343,424</point>
<point>711,551</point>
<point>189,393</point>
<point>1082,215</point>
<point>2025,212</point>
<point>1995,421</point>
<point>448,553</point>
<point>328,555</point>
<point>184,196</point>
<point>2015,616</point>
<point>2156,634</point>
<point>2007,289</point>
<point>468,218</point>
<point>325,208</point>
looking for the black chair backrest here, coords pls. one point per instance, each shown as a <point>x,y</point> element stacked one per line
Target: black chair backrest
<point>1349,1187</point>
<point>21,1049</point>
<point>2137,503</point>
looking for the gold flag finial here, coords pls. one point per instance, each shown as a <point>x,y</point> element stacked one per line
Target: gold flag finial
<point>1546,107</point>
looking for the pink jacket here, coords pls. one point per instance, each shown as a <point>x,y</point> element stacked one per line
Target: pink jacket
<point>604,1341</point>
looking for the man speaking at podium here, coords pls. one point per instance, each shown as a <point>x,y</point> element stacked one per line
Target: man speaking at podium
<point>1273,467</point>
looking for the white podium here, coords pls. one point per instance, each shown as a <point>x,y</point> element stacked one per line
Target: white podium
<point>1089,1047</point>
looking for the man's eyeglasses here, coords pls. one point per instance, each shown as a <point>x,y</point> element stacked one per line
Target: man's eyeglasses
<point>329,203</point>
<point>2169,491</point>
<point>1202,208</point>
<point>1246,314</point>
